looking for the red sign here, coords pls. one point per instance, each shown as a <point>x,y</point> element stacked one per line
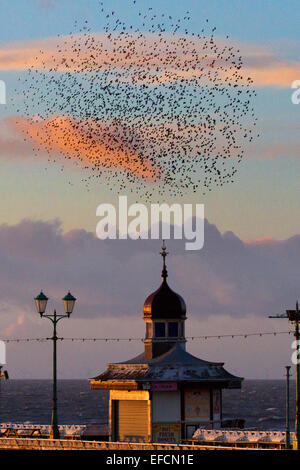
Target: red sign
<point>163,387</point>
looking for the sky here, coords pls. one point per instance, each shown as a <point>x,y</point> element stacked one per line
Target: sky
<point>249,266</point>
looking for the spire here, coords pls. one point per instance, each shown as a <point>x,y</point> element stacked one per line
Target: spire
<point>164,253</point>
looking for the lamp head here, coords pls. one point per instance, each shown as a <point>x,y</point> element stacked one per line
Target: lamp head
<point>69,302</point>
<point>41,303</point>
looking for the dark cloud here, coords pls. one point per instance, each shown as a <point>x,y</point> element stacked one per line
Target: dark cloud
<point>112,278</point>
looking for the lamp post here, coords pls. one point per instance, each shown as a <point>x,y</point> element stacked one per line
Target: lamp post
<point>294,317</point>
<point>41,304</point>
<point>287,411</point>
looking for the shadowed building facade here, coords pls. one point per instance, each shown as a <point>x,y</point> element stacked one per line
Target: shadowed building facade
<point>165,393</point>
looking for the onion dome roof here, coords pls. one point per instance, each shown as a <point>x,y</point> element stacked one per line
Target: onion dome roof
<point>164,302</point>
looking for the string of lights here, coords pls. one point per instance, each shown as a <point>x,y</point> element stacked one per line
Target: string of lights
<point>202,337</point>
<point>23,340</point>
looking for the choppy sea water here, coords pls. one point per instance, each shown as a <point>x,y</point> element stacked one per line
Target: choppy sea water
<point>260,402</point>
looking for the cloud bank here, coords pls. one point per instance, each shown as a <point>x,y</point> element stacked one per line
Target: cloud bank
<point>112,278</point>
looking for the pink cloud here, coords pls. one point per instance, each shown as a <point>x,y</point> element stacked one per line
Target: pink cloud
<point>92,143</point>
<point>260,62</point>
<point>262,241</point>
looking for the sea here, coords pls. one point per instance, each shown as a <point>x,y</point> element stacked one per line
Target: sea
<point>262,403</point>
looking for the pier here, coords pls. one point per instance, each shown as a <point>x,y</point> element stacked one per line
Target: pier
<point>13,443</point>
<point>82,437</point>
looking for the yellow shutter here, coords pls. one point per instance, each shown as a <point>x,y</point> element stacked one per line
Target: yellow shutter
<point>133,420</point>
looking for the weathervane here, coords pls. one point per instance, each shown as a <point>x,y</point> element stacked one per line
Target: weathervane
<point>164,253</point>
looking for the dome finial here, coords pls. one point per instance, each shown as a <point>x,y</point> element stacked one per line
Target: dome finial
<point>164,253</point>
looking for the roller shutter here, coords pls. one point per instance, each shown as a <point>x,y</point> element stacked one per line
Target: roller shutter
<point>133,420</point>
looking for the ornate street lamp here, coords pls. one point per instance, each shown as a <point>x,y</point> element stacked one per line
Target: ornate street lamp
<point>287,410</point>
<point>41,304</point>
